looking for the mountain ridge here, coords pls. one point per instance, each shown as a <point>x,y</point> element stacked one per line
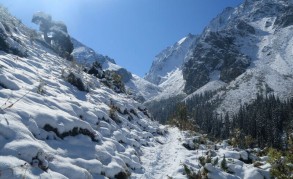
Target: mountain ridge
<point>242,52</point>
<point>67,118</point>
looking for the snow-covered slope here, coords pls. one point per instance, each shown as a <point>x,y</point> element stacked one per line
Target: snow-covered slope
<point>173,86</point>
<point>166,69</point>
<point>167,61</point>
<point>138,87</point>
<point>50,129</point>
<point>86,55</point>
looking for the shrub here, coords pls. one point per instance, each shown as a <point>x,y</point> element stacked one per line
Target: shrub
<point>3,44</point>
<point>257,164</point>
<point>114,81</point>
<point>180,118</point>
<point>118,84</point>
<point>202,160</point>
<point>191,174</point>
<point>281,165</point>
<point>113,114</point>
<point>249,141</point>
<point>96,70</point>
<point>77,82</point>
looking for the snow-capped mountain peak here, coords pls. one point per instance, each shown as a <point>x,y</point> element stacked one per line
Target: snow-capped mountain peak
<point>170,59</point>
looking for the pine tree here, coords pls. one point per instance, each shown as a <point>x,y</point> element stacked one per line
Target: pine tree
<point>224,164</point>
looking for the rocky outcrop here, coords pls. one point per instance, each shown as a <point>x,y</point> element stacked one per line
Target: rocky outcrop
<point>215,51</point>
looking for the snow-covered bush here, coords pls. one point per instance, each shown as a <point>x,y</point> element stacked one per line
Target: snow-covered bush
<point>117,82</point>
<point>41,87</point>
<point>113,114</point>
<point>9,43</point>
<point>96,70</point>
<point>191,174</point>
<point>114,81</point>
<point>75,79</point>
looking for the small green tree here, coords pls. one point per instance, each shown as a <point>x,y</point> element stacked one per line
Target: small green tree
<point>180,118</point>
<point>224,164</point>
<point>208,159</point>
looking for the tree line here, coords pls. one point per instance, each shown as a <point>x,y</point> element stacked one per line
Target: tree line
<point>266,122</point>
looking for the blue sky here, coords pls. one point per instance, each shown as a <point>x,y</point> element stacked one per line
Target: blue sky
<point>130,31</point>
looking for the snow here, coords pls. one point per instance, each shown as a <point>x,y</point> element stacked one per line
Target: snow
<point>182,40</point>
<point>167,156</point>
<point>169,60</point>
<point>86,56</point>
<point>210,86</point>
<point>270,50</point>
<point>48,124</point>
<point>141,87</point>
<point>164,159</point>
<point>50,129</point>
<point>173,86</point>
<point>273,71</point>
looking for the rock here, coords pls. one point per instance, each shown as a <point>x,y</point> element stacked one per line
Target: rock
<point>243,155</point>
<point>125,75</point>
<point>210,167</point>
<point>252,173</point>
<point>243,26</point>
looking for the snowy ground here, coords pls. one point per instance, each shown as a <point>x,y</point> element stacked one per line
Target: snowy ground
<point>166,159</point>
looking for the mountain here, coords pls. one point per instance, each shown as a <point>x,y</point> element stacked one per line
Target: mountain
<point>136,86</point>
<point>166,62</point>
<point>242,52</point>
<point>70,117</point>
<point>84,54</point>
<point>245,51</point>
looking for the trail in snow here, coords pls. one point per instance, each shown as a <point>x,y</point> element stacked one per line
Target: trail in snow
<point>165,158</point>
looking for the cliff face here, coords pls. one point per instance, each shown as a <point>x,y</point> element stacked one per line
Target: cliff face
<point>244,50</point>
